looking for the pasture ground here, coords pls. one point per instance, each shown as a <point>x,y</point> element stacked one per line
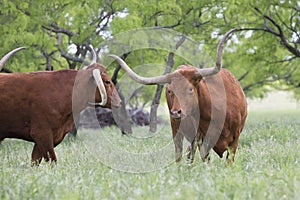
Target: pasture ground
<point>267,166</point>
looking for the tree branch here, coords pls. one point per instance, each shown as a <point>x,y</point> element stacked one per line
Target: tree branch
<point>283,61</point>
<point>116,72</point>
<point>243,76</point>
<point>280,33</point>
<point>69,57</point>
<point>56,29</point>
<point>169,26</point>
<point>296,9</point>
<point>262,82</point>
<point>135,95</point>
<point>48,57</point>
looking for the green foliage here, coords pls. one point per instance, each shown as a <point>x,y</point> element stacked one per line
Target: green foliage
<point>259,53</point>
<point>262,53</point>
<point>30,23</point>
<point>266,167</point>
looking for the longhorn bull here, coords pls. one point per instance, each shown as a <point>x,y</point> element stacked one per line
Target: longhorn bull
<point>206,106</point>
<point>40,106</point>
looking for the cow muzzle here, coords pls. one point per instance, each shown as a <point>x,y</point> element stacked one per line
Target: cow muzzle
<point>116,103</point>
<point>177,114</point>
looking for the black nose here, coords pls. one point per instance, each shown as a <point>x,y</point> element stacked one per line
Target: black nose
<point>176,113</point>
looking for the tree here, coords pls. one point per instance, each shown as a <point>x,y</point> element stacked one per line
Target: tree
<point>269,40</point>
<point>263,55</point>
<point>57,34</point>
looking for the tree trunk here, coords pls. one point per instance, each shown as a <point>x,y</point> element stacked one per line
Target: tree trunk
<point>120,115</point>
<point>156,100</point>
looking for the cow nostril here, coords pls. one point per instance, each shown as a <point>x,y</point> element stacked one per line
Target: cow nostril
<point>176,112</point>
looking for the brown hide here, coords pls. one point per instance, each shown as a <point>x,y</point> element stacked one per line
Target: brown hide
<point>206,106</point>
<point>39,106</point>
<point>191,95</point>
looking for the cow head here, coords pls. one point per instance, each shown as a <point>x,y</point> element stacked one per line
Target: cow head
<point>182,92</point>
<point>106,95</point>
<point>96,74</point>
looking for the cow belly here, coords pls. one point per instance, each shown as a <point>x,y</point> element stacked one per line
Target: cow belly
<point>222,144</point>
<point>14,125</point>
<point>17,134</point>
<point>61,133</point>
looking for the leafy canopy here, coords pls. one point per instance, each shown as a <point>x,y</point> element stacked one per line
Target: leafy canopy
<point>263,54</point>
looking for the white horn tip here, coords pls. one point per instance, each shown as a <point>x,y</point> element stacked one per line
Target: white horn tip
<point>114,56</point>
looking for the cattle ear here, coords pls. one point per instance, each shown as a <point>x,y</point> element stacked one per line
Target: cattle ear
<point>196,79</point>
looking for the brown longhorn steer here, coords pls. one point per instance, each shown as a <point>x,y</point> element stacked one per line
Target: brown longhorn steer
<point>206,106</point>
<point>40,106</point>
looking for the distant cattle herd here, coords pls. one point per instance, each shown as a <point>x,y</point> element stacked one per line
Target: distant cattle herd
<point>206,106</point>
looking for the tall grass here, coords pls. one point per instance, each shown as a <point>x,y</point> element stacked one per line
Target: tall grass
<point>267,166</point>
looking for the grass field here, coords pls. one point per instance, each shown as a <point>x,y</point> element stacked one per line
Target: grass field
<point>267,166</point>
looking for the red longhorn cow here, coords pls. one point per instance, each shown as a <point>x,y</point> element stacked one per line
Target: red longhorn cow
<point>40,106</point>
<point>207,106</point>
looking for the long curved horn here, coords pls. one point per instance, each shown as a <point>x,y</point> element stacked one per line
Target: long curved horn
<point>94,55</point>
<point>8,55</point>
<point>143,80</point>
<point>101,88</point>
<point>218,65</point>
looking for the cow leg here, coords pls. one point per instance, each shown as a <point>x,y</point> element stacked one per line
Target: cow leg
<point>204,148</point>
<point>36,156</point>
<point>42,151</point>
<point>178,139</point>
<point>192,150</point>
<point>48,152</point>
<point>44,147</point>
<point>205,158</point>
<point>232,148</point>
<point>230,155</point>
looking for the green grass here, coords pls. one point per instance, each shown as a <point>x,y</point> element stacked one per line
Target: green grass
<point>267,166</point>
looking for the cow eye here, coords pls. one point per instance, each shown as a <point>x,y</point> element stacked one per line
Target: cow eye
<point>107,82</point>
<point>191,90</point>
